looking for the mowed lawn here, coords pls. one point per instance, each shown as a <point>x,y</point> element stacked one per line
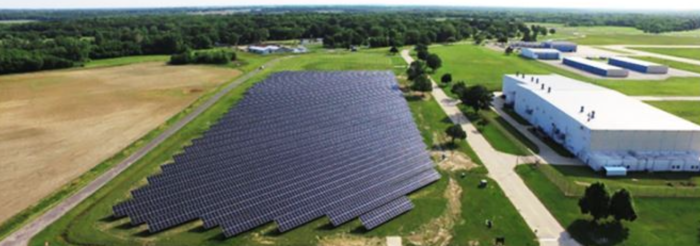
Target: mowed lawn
<point>91,222</point>
<point>688,110</point>
<point>479,65</point>
<point>662,221</point>
<point>690,53</point>
<point>610,35</point>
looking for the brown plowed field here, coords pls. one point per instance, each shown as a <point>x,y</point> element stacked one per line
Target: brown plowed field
<point>54,126</point>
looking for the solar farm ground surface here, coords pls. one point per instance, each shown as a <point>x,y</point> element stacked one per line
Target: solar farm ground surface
<point>452,210</point>
<point>52,121</point>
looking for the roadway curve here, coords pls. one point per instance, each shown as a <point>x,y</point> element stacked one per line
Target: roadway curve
<point>28,231</point>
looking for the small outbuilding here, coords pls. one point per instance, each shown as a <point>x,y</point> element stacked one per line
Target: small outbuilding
<point>638,65</point>
<point>594,67</point>
<point>562,46</point>
<point>540,54</point>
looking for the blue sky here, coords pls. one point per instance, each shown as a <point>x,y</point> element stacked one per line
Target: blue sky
<point>582,4</point>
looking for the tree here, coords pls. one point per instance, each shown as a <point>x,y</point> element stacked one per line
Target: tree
<point>422,83</point>
<point>423,55</point>
<point>459,89</point>
<point>456,132</point>
<point>477,97</point>
<point>446,78</point>
<point>509,50</point>
<point>420,47</point>
<point>479,39</point>
<point>434,62</point>
<point>622,206</point>
<point>595,201</point>
<point>552,31</point>
<point>393,50</point>
<point>415,70</point>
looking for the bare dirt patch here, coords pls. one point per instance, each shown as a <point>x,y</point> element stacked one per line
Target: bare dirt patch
<point>54,126</point>
<point>351,240</point>
<point>439,230</point>
<point>454,161</point>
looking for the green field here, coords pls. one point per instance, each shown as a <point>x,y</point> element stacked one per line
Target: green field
<point>111,62</point>
<point>685,109</point>
<point>609,35</point>
<point>690,53</point>
<point>662,221</point>
<point>673,64</point>
<point>90,223</point>
<point>480,65</point>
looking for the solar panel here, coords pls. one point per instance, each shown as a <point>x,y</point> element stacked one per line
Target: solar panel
<point>298,146</point>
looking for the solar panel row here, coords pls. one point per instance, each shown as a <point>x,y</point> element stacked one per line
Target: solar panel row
<point>298,146</point>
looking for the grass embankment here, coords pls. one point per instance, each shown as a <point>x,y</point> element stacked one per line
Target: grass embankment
<point>662,221</point>
<point>688,110</point>
<point>90,222</point>
<point>690,53</point>
<point>63,192</point>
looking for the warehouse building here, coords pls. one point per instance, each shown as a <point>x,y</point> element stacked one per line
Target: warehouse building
<point>594,67</point>
<point>562,46</point>
<point>541,54</point>
<point>604,128</point>
<point>638,65</point>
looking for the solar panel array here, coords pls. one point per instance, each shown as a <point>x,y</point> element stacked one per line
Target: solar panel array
<point>298,146</point>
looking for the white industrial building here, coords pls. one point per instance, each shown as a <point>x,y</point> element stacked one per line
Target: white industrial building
<point>540,54</point>
<point>604,128</point>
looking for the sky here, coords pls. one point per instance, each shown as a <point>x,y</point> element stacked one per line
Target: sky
<point>577,4</point>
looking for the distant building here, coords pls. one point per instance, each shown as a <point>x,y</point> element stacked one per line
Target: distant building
<point>638,65</point>
<point>562,46</point>
<point>263,49</point>
<point>596,68</point>
<point>523,45</point>
<point>273,49</point>
<point>307,41</point>
<point>604,128</point>
<point>540,54</point>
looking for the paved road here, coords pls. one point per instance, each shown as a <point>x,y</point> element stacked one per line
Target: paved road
<point>502,169</point>
<point>24,234</point>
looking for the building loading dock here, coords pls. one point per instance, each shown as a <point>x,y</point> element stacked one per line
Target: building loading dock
<point>594,67</point>
<point>602,127</point>
<point>638,65</point>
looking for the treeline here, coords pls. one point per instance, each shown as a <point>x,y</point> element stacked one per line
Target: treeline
<point>203,57</point>
<point>33,55</point>
<point>98,38</point>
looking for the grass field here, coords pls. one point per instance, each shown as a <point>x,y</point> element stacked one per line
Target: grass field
<point>58,125</point>
<point>61,192</point>
<point>480,65</point>
<point>690,53</point>
<point>672,64</point>
<point>111,62</point>
<point>90,222</point>
<point>685,109</point>
<point>609,35</point>
<point>663,221</point>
